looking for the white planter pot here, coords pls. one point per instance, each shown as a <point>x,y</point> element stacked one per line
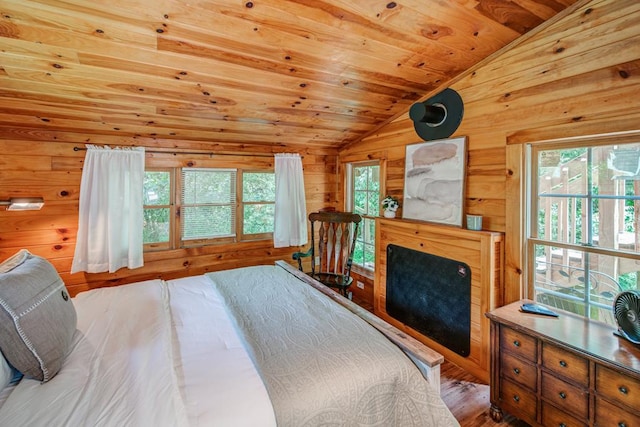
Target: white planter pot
<point>389,214</point>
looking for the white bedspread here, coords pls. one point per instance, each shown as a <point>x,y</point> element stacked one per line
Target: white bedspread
<point>218,380</point>
<point>148,354</point>
<point>115,375</point>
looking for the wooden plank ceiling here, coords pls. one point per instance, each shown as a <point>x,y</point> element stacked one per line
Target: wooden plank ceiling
<point>302,72</point>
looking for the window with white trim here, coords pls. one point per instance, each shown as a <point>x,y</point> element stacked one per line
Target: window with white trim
<point>583,236</point>
<point>363,198</point>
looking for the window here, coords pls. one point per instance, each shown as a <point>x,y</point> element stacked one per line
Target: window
<point>583,243</point>
<point>202,206</point>
<point>208,204</point>
<point>158,208</point>
<point>363,198</point>
<point>258,203</point>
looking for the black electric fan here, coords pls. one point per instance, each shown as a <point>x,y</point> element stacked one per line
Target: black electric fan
<point>626,309</point>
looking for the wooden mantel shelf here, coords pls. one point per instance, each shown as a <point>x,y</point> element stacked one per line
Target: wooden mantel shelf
<point>482,251</point>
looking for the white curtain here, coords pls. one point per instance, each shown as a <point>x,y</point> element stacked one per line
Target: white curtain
<point>111,210</point>
<point>290,227</point>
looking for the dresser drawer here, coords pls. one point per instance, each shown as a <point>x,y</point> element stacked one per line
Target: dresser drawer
<point>518,343</point>
<point>518,400</point>
<point>608,414</point>
<point>569,397</point>
<point>617,387</point>
<point>569,365</point>
<point>518,370</point>
<point>554,417</point>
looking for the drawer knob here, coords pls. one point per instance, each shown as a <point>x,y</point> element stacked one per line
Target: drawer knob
<point>563,363</point>
<point>562,425</point>
<point>516,371</point>
<point>516,398</point>
<point>623,389</point>
<point>622,424</point>
<point>562,395</point>
<point>516,343</point>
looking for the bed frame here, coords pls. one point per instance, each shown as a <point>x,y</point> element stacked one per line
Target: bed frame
<point>426,359</point>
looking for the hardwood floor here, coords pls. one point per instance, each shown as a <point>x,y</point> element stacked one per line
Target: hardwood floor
<point>468,399</point>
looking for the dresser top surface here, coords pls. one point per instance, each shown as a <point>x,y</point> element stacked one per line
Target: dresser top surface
<point>592,338</point>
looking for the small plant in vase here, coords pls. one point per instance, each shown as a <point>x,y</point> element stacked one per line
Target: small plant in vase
<point>390,206</point>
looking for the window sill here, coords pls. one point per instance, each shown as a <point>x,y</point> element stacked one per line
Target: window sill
<point>364,272</point>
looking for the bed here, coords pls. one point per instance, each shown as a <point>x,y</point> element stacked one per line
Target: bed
<point>255,346</point>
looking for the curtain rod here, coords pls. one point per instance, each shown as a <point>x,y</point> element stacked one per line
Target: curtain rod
<point>211,154</point>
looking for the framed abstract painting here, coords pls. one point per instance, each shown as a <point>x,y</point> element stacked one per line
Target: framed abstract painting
<point>434,181</point>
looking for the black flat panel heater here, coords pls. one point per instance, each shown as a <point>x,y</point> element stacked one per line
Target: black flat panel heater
<point>432,295</point>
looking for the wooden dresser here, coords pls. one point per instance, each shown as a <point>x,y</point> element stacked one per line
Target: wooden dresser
<point>565,371</point>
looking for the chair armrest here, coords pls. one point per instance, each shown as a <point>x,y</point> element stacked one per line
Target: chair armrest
<point>299,255</point>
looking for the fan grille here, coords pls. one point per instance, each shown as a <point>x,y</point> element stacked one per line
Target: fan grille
<point>626,308</point>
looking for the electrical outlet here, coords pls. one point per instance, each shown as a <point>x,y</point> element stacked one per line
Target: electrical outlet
<point>317,260</point>
<point>360,285</point>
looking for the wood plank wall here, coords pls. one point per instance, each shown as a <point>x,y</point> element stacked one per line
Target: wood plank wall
<point>580,76</point>
<point>35,163</point>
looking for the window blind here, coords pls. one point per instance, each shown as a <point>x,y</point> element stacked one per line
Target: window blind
<point>208,200</point>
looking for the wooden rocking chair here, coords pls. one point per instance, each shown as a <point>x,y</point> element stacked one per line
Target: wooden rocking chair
<point>332,248</point>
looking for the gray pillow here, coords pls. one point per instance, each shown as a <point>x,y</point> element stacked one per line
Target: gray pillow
<point>37,317</point>
<point>6,373</point>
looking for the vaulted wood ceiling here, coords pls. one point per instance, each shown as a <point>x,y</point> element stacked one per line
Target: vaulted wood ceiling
<point>307,72</point>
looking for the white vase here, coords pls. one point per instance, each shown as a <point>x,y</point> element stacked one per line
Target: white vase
<point>389,214</point>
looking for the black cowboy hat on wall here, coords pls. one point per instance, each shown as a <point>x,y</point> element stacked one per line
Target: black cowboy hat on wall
<point>439,116</point>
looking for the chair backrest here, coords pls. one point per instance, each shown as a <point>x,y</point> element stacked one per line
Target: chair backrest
<point>333,239</point>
